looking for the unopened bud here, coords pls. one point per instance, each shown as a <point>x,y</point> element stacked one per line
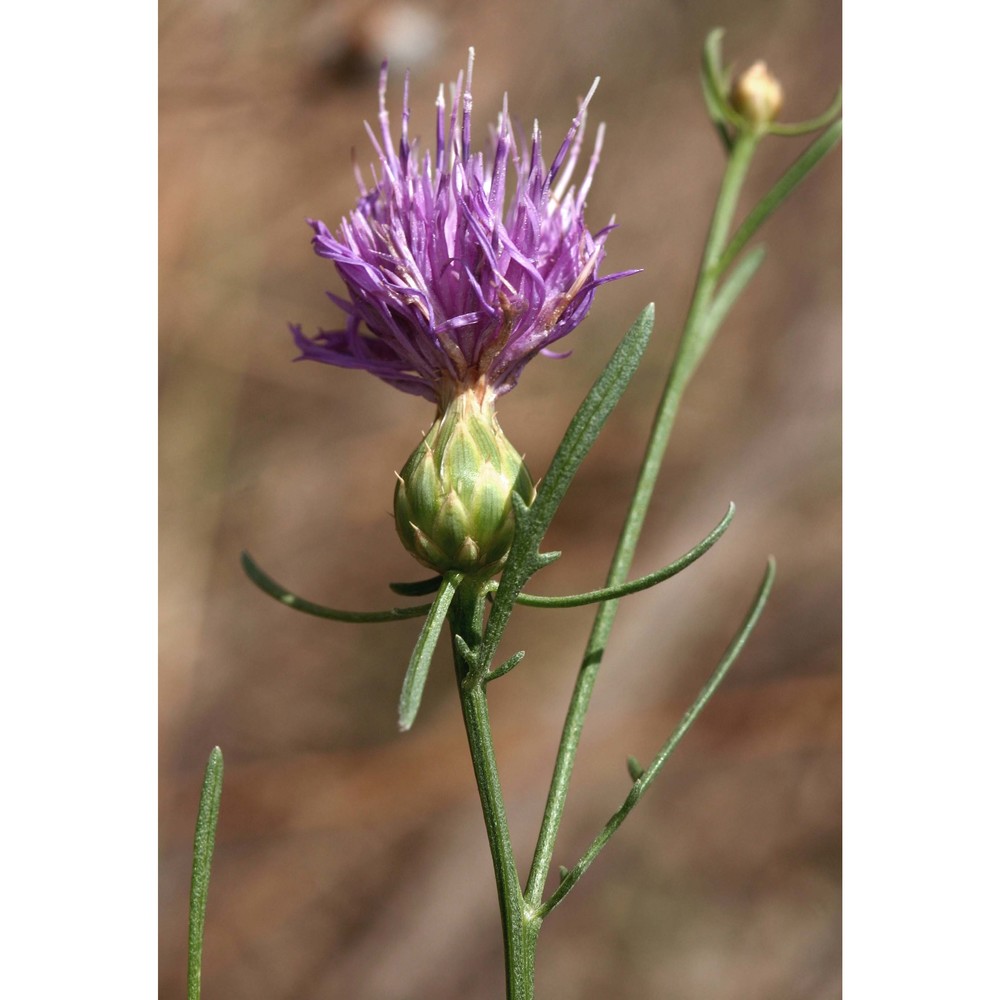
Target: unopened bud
<point>453,499</point>
<point>757,95</point>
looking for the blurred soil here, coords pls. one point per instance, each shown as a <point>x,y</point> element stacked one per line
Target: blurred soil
<point>351,860</point>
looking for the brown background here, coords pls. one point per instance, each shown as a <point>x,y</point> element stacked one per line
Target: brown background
<point>351,860</point>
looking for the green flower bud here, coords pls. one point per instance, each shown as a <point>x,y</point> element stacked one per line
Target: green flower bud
<point>453,499</point>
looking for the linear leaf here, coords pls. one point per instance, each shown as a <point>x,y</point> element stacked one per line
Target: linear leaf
<point>420,660</point>
<point>274,589</point>
<point>784,186</point>
<point>204,846</point>
<point>532,523</point>
<point>710,73</point>
<point>588,421</point>
<point>727,296</point>
<point>643,782</point>
<point>813,124</point>
<point>418,588</point>
<point>633,586</point>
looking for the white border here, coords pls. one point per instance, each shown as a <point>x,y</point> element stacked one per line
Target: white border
<point>921,598</point>
<point>77,412</point>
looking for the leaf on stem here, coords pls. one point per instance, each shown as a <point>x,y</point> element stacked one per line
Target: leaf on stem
<point>643,782</point>
<point>634,586</point>
<point>532,523</point>
<point>204,846</point>
<point>466,652</point>
<point>505,668</point>
<point>715,87</point>
<point>282,594</point>
<point>420,660</point>
<point>729,293</point>
<point>813,124</point>
<point>785,185</point>
<point>589,421</point>
<point>635,769</point>
<point>418,588</point>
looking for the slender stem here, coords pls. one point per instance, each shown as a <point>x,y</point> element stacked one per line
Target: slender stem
<point>689,352</point>
<point>520,926</point>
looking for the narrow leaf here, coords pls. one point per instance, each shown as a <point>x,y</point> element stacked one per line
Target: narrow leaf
<point>634,586</point>
<point>420,661</point>
<point>714,103</point>
<point>465,651</point>
<point>583,429</point>
<point>728,659</point>
<point>588,421</point>
<point>204,846</point>
<point>715,86</point>
<point>727,296</point>
<point>274,589</point>
<point>506,667</point>
<point>785,185</point>
<point>643,782</point>
<point>813,124</point>
<point>418,588</point>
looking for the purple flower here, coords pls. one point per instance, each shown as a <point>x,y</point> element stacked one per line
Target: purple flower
<point>460,267</point>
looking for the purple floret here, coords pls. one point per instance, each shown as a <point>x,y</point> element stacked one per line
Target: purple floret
<point>455,282</point>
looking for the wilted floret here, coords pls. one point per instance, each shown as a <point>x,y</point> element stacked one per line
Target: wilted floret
<point>460,267</point>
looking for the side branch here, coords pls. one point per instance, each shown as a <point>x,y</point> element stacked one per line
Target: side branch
<point>643,781</point>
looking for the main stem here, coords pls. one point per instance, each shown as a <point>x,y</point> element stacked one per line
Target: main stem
<point>689,353</point>
<point>520,926</point>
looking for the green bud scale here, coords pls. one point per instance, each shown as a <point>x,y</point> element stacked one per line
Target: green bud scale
<point>453,498</point>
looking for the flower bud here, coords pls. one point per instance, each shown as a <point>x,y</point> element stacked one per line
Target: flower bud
<point>453,499</point>
<point>757,95</point>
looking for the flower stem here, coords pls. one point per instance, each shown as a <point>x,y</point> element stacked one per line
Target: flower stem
<point>689,352</point>
<point>520,926</point>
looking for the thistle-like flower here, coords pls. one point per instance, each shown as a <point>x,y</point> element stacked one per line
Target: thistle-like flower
<point>461,267</point>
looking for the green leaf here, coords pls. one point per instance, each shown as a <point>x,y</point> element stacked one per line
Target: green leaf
<point>420,661</point>
<point>785,185</point>
<point>715,88</point>
<point>587,424</point>
<point>634,768</point>
<point>643,781</point>
<point>505,668</point>
<point>728,659</point>
<point>813,124</point>
<point>728,294</point>
<point>634,586</point>
<point>204,846</point>
<point>418,588</point>
<point>274,589</point>
<point>532,523</point>
<point>713,99</point>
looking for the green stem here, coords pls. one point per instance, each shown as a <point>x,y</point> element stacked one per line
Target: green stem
<point>689,352</point>
<point>520,925</point>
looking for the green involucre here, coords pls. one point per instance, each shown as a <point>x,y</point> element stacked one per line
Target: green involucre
<point>453,504</point>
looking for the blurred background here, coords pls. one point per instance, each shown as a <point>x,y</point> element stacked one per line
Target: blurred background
<point>351,861</point>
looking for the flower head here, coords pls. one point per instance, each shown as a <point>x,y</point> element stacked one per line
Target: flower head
<point>460,267</point>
